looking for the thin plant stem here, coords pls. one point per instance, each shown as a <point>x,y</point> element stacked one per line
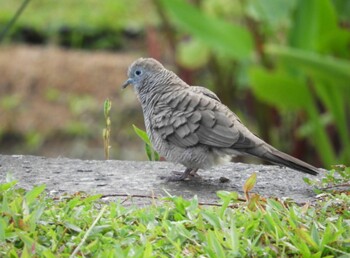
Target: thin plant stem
<point>76,250</point>
<point>14,19</point>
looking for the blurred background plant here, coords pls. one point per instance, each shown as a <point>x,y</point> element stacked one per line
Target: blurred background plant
<point>282,66</point>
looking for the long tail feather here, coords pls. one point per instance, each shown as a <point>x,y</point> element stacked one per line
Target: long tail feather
<point>273,155</point>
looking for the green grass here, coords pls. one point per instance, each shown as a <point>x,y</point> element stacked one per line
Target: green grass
<point>33,224</point>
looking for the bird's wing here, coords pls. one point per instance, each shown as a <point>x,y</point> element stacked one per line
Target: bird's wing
<point>186,118</point>
<point>205,91</point>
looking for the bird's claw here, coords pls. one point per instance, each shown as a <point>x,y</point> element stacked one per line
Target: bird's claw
<point>181,176</point>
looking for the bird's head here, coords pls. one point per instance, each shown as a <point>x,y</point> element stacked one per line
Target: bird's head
<point>143,72</point>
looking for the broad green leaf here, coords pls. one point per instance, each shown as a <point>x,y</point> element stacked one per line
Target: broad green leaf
<point>279,89</point>
<point>329,31</point>
<point>303,247</point>
<point>314,23</point>
<point>305,236</point>
<point>335,100</point>
<point>92,198</point>
<point>72,227</point>
<point>233,40</point>
<point>330,68</point>
<point>142,134</point>
<point>192,54</point>
<point>320,137</point>
<point>156,156</point>
<point>148,151</point>
<point>274,13</point>
<point>212,218</point>
<point>343,9</point>
<point>301,34</point>
<point>34,193</point>
<point>328,235</point>
<point>315,235</point>
<point>276,205</point>
<point>234,238</point>
<point>307,180</point>
<point>35,217</point>
<point>269,223</point>
<point>215,245</point>
<point>226,195</point>
<point>250,183</point>
<point>4,187</point>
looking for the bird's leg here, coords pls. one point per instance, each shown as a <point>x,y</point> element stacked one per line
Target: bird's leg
<point>193,172</point>
<point>186,174</point>
<point>189,172</point>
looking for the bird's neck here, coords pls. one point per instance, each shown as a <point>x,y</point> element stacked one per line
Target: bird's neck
<point>155,87</point>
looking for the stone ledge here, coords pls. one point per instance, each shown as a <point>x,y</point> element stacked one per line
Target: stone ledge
<point>64,175</point>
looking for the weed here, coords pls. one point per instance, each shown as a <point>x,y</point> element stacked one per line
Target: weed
<point>150,152</point>
<point>106,133</point>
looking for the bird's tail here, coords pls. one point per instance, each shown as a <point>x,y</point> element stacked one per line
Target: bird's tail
<point>273,155</point>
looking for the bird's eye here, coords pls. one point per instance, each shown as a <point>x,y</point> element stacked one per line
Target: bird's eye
<point>138,72</point>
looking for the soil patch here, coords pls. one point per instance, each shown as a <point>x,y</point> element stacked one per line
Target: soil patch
<point>52,98</point>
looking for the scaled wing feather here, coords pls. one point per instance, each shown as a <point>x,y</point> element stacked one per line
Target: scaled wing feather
<point>196,119</point>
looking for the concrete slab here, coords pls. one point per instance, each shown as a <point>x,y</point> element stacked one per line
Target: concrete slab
<point>115,177</point>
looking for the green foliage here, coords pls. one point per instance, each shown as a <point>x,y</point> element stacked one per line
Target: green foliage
<point>150,152</point>
<point>78,107</point>
<point>330,68</point>
<point>33,224</point>
<point>33,140</point>
<point>76,128</point>
<point>249,184</point>
<point>80,24</point>
<point>303,59</point>
<point>80,104</point>
<point>336,180</point>
<point>42,14</point>
<point>9,102</point>
<point>52,94</point>
<point>192,53</point>
<point>313,42</point>
<point>219,34</point>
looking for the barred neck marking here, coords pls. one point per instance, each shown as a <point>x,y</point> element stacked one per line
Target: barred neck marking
<point>157,85</point>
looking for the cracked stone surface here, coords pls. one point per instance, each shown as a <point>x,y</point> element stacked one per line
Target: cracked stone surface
<point>64,175</point>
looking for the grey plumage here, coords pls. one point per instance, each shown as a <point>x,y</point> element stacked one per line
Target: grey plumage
<point>189,124</point>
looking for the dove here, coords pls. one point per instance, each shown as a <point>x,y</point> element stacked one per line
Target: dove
<point>189,125</point>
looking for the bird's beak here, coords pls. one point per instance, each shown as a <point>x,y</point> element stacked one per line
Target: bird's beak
<point>126,83</point>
